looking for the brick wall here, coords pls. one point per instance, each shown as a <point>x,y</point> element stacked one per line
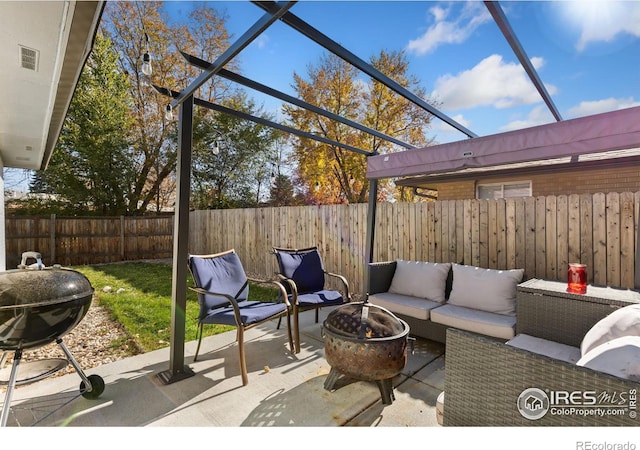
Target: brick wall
<point>587,181</point>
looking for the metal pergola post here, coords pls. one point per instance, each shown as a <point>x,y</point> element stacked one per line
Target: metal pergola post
<point>177,369</point>
<point>371,227</point>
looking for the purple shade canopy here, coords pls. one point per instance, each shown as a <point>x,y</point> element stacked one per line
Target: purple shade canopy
<point>609,131</point>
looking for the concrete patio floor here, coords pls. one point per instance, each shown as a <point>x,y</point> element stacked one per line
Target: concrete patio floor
<point>283,390</point>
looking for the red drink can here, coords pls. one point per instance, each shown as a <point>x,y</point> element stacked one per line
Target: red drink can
<point>577,278</point>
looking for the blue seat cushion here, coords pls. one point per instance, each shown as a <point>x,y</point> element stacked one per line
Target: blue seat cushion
<point>250,312</point>
<point>320,298</point>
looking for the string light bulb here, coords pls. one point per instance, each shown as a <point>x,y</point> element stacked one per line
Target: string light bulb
<point>146,59</point>
<point>168,113</point>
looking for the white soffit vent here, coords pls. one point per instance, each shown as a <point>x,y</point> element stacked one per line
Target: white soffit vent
<point>29,58</point>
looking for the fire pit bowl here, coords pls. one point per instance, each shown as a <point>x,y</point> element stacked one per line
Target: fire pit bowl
<point>365,342</point>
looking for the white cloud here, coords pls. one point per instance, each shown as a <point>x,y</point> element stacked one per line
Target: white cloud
<point>438,125</point>
<point>442,132</point>
<point>537,116</point>
<point>588,108</point>
<point>602,21</point>
<point>455,31</point>
<point>490,82</point>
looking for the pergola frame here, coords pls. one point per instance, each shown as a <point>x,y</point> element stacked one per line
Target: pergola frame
<point>185,99</point>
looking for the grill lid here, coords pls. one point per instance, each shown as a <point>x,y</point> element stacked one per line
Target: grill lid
<point>364,320</point>
<point>51,285</point>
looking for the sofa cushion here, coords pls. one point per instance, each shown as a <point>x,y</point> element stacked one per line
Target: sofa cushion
<point>420,279</point>
<point>619,357</point>
<point>552,349</point>
<point>487,290</point>
<point>404,304</point>
<point>490,324</point>
<point>622,322</point>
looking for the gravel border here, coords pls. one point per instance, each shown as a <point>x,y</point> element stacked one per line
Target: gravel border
<point>96,340</point>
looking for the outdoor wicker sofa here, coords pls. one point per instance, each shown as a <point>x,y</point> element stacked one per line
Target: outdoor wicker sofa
<point>431,297</point>
<point>487,380</point>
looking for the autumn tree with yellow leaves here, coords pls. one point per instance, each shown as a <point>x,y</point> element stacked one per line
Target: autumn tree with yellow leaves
<point>329,174</point>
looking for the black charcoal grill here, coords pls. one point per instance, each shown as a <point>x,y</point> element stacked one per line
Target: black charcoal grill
<point>39,305</point>
<point>365,342</point>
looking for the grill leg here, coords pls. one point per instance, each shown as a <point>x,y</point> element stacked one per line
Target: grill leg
<point>12,382</point>
<point>75,365</point>
<point>386,391</point>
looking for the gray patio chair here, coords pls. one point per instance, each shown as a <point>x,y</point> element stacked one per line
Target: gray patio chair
<point>305,277</point>
<point>223,289</point>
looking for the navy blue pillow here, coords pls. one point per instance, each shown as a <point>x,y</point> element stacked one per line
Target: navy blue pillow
<point>305,269</point>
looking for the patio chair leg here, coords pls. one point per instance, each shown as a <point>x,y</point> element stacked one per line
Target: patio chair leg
<point>243,362</point>
<point>317,314</point>
<point>296,328</point>
<point>199,332</point>
<point>279,322</point>
<point>291,344</point>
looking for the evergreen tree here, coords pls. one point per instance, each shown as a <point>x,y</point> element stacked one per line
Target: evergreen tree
<point>90,169</point>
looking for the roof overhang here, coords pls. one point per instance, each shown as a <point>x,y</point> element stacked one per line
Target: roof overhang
<point>616,130</point>
<point>602,160</point>
<point>61,34</point>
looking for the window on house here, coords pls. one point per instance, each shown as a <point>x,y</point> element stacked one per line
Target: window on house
<point>504,190</point>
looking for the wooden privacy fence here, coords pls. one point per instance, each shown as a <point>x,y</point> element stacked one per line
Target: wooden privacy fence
<point>73,241</point>
<point>540,234</point>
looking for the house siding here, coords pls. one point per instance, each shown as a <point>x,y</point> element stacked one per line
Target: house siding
<point>587,181</point>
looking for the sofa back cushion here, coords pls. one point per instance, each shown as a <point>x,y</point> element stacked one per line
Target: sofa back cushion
<point>622,322</point>
<point>619,357</point>
<point>420,279</point>
<point>487,290</point>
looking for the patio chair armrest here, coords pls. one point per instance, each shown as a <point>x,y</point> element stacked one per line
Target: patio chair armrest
<point>232,301</point>
<point>484,379</point>
<point>277,284</point>
<point>344,281</point>
<point>293,288</point>
<point>202,291</point>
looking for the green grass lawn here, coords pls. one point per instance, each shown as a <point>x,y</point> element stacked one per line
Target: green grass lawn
<point>140,299</point>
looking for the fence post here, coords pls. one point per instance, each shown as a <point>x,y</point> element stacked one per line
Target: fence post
<point>122,243</point>
<point>52,238</point>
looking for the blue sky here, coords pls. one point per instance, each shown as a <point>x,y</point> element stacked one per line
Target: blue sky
<point>586,53</point>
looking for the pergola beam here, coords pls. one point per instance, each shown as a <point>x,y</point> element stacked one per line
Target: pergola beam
<point>262,121</point>
<point>249,36</point>
<point>502,22</point>
<point>227,74</point>
<point>315,35</point>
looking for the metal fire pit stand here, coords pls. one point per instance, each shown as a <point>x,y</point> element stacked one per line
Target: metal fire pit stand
<point>356,351</point>
<point>384,386</point>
